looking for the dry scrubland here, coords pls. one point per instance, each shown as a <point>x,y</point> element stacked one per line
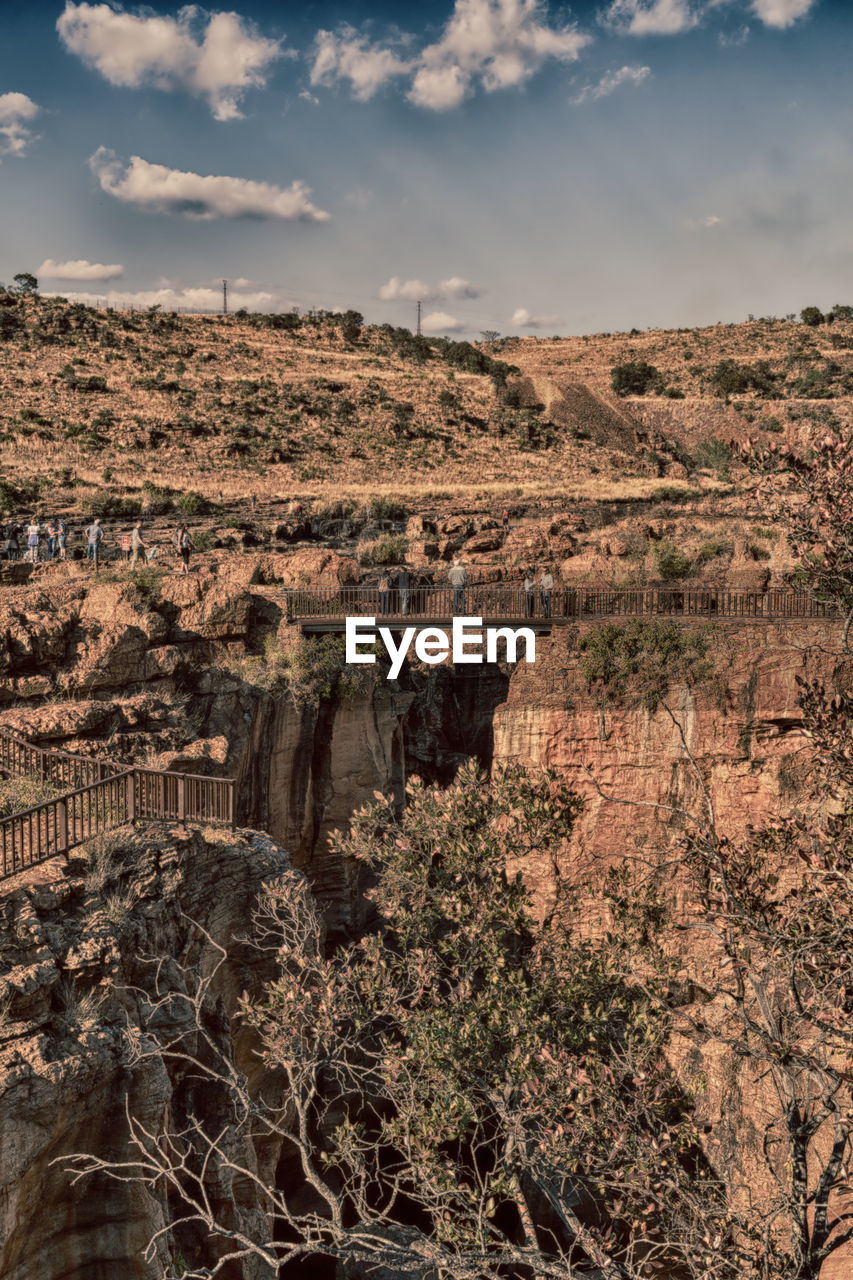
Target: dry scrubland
<point>156,414</point>
<point>102,401</point>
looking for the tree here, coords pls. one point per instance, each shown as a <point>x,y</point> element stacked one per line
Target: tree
<point>809,492</point>
<point>467,1093</point>
<point>636,378</point>
<point>489,336</point>
<point>25,282</point>
<point>812,316</point>
<point>772,915</point>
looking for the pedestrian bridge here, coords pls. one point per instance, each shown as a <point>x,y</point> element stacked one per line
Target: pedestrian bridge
<point>502,604</point>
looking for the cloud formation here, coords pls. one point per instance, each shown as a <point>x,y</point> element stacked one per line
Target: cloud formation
<point>397,290</point>
<point>79,269</point>
<point>201,298</point>
<point>441,322</point>
<point>158,189</point>
<point>781,13</point>
<point>216,56</point>
<point>348,55</point>
<point>492,44</point>
<point>611,81</point>
<point>651,17</point>
<point>527,320</point>
<point>16,111</point>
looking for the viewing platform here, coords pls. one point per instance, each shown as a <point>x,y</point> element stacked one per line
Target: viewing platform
<point>507,604</point>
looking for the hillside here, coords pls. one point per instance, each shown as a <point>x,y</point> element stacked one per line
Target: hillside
<point>101,403</point>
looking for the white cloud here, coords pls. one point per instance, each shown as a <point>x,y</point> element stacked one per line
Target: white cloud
<point>397,290</point>
<point>455,287</point>
<point>610,82</point>
<point>781,13</point>
<point>651,17</point>
<point>79,269</point>
<point>16,110</point>
<point>498,44</point>
<point>348,55</point>
<point>216,56</point>
<point>495,44</point>
<point>441,322</point>
<point>703,224</point>
<point>200,298</point>
<point>527,320</point>
<point>157,189</point>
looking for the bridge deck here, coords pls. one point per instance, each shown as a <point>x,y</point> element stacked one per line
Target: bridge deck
<point>503,604</point>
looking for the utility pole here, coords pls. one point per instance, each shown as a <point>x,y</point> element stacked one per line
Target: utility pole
<point>225,297</point>
<point>419,319</point>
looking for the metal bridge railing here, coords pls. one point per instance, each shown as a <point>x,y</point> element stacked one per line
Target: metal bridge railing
<point>510,601</point>
<point>103,795</point>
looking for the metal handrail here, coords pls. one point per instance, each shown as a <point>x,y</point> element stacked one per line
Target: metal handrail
<point>564,603</point>
<point>120,793</point>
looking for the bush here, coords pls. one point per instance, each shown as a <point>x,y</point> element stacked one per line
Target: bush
<point>108,505</point>
<point>389,549</point>
<point>671,561</point>
<point>714,454</point>
<point>642,658</point>
<point>714,548</point>
<point>812,316</point>
<point>191,503</point>
<point>732,379</point>
<point>636,378</point>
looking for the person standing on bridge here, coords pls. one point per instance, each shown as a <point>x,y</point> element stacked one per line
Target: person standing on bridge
<point>404,587</point>
<point>33,531</point>
<point>385,591</point>
<point>137,546</point>
<point>546,586</point>
<point>458,577</point>
<point>529,594</point>
<point>94,534</point>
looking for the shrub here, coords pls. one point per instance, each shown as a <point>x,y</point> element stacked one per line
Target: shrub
<point>714,454</point>
<point>106,505</point>
<point>191,503</point>
<point>389,549</point>
<point>671,561</point>
<point>636,378</point>
<point>732,379</point>
<point>714,548</point>
<point>17,794</point>
<point>812,316</point>
<point>642,658</point>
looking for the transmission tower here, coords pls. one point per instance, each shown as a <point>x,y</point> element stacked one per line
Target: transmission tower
<point>419,319</point>
<point>225,297</point>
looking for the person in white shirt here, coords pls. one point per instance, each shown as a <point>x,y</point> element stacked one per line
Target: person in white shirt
<point>33,531</point>
<point>458,577</point>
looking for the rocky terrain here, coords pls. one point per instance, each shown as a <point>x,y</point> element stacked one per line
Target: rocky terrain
<point>204,672</point>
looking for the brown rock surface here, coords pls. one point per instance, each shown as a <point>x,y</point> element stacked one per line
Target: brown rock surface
<point>68,964</point>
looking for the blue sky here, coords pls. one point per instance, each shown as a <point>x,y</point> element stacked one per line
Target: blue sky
<point>517,166</point>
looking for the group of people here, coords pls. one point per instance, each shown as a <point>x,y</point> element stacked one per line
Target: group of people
<point>24,541</point>
<point>19,541</point>
<point>458,579</point>
<point>395,588</point>
<point>546,587</point>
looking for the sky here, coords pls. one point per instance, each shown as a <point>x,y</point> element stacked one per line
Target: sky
<point>514,166</point>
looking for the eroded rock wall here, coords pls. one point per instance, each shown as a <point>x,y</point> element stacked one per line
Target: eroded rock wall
<point>72,949</point>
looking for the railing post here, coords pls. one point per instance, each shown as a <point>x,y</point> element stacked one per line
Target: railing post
<point>62,826</point>
<point>182,798</point>
<point>130,783</point>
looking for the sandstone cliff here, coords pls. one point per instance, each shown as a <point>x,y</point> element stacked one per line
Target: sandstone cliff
<point>73,951</point>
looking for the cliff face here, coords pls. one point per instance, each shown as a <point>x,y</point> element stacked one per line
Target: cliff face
<point>743,729</point>
<point>72,963</point>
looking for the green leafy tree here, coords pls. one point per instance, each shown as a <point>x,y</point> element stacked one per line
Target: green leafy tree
<point>25,282</point>
<point>636,378</point>
<point>812,316</point>
<point>468,1093</point>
